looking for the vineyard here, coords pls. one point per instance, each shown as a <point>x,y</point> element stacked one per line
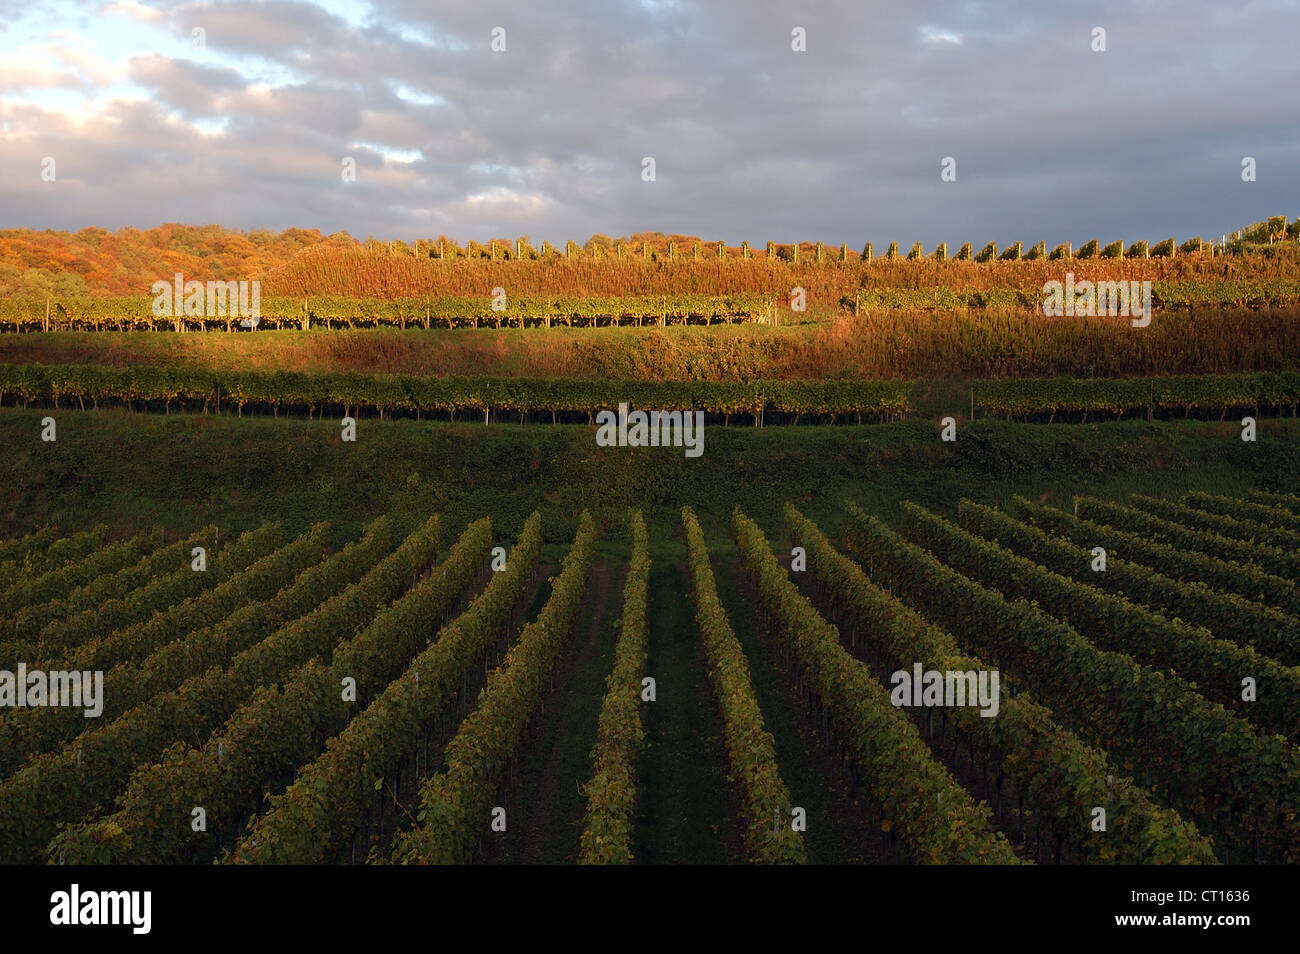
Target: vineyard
<point>411,693</point>
<point>87,387</point>
<point>494,308</point>
<point>300,263</point>
<point>953,580</point>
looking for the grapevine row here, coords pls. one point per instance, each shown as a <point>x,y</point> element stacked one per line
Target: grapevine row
<point>36,545</point>
<point>87,772</point>
<point>130,684</point>
<point>28,622</point>
<point>611,793</point>
<point>1216,666</point>
<point>766,804</point>
<point>327,805</point>
<point>45,550</point>
<point>1215,769</point>
<point>53,585</point>
<point>1227,615</point>
<point>935,816</point>
<point>1243,580</point>
<point>1279,517</point>
<point>1289,502</point>
<point>282,390</point>
<point>135,313</point>
<point>1267,558</point>
<point>290,714</point>
<point>160,595</point>
<point>1244,391</point>
<point>1248,530</point>
<point>454,804</point>
<point>1062,777</point>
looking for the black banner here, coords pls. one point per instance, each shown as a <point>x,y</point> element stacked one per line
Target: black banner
<point>333,905</point>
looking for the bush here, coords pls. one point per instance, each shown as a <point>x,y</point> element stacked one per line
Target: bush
<point>1139,249</point>
<point>916,253</point>
<point>1012,253</point>
<point>988,253</point>
<point>1163,249</point>
<point>1088,249</point>
<point>964,253</point>
<point>1113,250</point>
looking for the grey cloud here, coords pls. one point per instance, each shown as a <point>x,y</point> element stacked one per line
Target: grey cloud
<point>752,140</point>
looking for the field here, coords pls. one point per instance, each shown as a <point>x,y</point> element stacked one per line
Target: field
<point>364,586</point>
<point>404,699</point>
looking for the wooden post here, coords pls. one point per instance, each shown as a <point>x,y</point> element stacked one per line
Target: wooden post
<point>47,314</point>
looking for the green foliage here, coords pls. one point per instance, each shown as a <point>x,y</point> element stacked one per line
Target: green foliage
<point>935,816</point>
<point>290,389</point>
<point>1213,767</point>
<point>611,793</point>
<point>319,815</point>
<point>1115,623</point>
<point>1207,393</point>
<point>280,727</point>
<point>1227,615</point>
<point>455,803</point>
<point>90,770</point>
<point>1243,581</point>
<point>1059,774</point>
<point>1266,557</point>
<point>766,802</point>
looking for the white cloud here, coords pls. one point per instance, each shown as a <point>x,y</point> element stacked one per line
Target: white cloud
<point>941,37</point>
<point>26,69</point>
<point>137,11</point>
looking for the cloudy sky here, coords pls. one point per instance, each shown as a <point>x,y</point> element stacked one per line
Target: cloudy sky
<point>242,113</point>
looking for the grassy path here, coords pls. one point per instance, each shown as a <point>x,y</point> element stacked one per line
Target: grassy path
<point>686,808</point>
<point>842,825</point>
